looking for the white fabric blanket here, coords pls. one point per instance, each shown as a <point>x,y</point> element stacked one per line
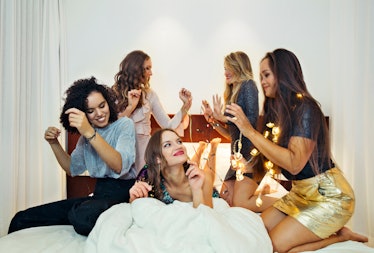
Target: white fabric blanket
<point>148,225</point>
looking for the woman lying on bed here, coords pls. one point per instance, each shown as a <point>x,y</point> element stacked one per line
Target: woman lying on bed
<point>169,176</point>
<point>105,148</point>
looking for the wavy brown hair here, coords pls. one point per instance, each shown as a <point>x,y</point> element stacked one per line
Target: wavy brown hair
<point>153,152</point>
<point>130,76</point>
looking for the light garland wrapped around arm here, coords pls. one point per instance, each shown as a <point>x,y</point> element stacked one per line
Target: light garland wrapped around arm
<point>237,163</point>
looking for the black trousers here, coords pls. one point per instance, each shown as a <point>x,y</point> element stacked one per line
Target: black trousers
<point>82,213</point>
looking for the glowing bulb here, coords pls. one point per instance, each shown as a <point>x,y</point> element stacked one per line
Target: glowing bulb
<point>259,201</point>
<point>254,152</point>
<point>269,165</point>
<point>239,175</point>
<point>275,131</point>
<point>266,134</point>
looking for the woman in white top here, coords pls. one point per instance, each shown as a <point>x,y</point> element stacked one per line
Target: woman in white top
<point>136,100</point>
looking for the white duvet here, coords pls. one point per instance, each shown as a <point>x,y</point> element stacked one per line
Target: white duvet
<point>148,225</point>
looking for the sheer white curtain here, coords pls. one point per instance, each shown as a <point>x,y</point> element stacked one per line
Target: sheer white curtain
<point>352,121</point>
<point>31,73</point>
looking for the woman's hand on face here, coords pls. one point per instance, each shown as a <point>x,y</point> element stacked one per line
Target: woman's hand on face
<point>78,119</point>
<point>238,117</point>
<point>195,176</point>
<point>207,111</point>
<point>139,190</point>
<point>186,97</point>
<point>51,135</point>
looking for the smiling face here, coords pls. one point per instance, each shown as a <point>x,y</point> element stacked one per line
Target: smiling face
<point>97,110</point>
<point>147,69</point>
<point>229,74</point>
<point>173,150</point>
<point>268,80</point>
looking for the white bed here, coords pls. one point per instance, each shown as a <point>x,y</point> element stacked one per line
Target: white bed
<point>148,225</point>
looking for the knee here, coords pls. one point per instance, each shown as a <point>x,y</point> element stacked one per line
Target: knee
<point>278,246</point>
<point>16,222</point>
<point>83,217</point>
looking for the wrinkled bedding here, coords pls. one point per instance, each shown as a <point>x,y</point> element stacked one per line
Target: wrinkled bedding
<point>150,224</point>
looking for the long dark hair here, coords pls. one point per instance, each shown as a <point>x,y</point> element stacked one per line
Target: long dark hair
<point>153,152</point>
<point>130,76</point>
<point>76,97</point>
<point>293,99</point>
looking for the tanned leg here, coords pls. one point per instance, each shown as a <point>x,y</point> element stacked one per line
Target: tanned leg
<point>291,236</point>
<point>211,162</point>
<point>198,153</point>
<point>344,234</point>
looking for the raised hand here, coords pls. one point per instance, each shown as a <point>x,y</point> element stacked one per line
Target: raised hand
<point>218,108</point>
<point>238,117</point>
<point>186,97</point>
<point>139,190</point>
<point>78,119</point>
<point>207,111</point>
<point>133,97</point>
<point>51,135</point>
<point>195,176</point>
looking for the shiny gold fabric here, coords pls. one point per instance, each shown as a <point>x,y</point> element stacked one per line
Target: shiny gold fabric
<point>323,204</point>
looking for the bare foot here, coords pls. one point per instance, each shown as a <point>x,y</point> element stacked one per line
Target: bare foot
<point>200,150</point>
<point>213,145</point>
<point>348,234</point>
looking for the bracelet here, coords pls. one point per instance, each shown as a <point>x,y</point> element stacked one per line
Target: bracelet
<point>92,137</point>
<point>214,124</point>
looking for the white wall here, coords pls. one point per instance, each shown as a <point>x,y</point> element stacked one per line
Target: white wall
<point>187,41</point>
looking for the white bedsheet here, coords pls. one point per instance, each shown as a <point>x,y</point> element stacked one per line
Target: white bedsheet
<point>148,225</point>
<point>63,239</point>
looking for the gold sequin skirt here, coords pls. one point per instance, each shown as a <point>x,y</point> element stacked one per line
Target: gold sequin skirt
<point>323,203</point>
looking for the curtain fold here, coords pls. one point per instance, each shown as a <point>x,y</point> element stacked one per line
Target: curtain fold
<point>32,38</point>
<point>352,54</point>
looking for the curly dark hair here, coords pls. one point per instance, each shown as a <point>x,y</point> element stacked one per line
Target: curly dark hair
<point>76,97</point>
<point>130,76</point>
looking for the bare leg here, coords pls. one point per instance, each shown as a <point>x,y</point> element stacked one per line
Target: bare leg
<point>244,196</point>
<point>344,234</point>
<point>284,230</point>
<point>198,153</point>
<point>211,162</point>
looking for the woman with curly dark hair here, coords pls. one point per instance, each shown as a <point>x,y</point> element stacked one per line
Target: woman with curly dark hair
<point>321,201</point>
<point>138,101</point>
<point>106,149</point>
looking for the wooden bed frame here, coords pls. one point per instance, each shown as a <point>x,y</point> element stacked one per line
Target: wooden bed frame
<point>198,130</point>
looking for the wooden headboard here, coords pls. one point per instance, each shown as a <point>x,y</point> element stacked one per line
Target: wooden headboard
<point>198,130</point>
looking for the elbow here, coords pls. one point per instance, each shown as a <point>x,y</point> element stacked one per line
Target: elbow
<point>296,169</point>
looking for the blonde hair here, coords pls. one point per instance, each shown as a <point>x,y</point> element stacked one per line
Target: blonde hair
<point>239,63</point>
